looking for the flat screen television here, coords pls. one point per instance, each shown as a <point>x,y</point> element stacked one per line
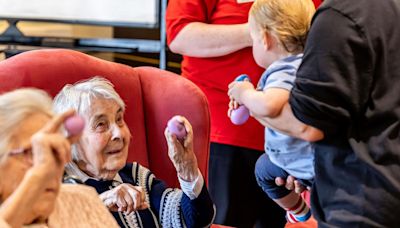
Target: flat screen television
<point>123,13</point>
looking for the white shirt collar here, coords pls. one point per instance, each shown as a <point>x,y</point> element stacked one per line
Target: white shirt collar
<point>72,170</point>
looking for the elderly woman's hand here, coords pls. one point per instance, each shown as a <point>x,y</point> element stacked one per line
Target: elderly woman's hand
<point>125,198</point>
<point>182,155</point>
<point>41,163</point>
<point>50,149</point>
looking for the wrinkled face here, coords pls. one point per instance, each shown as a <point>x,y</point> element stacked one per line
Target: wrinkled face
<point>103,147</point>
<point>14,167</point>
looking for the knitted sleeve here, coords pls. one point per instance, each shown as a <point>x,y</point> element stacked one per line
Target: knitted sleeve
<point>172,206</point>
<point>80,206</point>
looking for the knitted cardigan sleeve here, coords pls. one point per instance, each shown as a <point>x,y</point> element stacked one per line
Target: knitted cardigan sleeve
<point>172,206</point>
<point>80,206</point>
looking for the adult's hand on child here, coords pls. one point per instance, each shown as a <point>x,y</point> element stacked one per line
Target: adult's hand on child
<point>291,184</point>
<point>125,198</point>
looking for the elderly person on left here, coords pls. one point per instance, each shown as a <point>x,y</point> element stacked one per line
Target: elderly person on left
<point>130,191</point>
<point>33,152</point>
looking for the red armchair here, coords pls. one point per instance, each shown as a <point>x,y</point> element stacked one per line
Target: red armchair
<point>152,97</point>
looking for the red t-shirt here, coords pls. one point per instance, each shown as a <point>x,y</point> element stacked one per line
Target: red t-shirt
<point>213,75</point>
<point>317,3</point>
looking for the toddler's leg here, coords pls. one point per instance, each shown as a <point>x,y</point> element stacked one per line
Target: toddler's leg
<point>266,172</point>
<point>296,208</point>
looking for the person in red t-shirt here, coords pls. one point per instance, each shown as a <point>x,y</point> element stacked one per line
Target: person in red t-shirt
<point>214,39</point>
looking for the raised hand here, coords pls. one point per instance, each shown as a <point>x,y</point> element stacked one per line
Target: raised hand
<point>181,153</point>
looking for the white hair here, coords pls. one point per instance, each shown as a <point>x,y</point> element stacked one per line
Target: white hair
<point>17,105</point>
<point>80,95</point>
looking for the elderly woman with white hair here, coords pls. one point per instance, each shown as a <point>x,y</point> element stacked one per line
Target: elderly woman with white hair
<point>33,153</point>
<point>133,194</point>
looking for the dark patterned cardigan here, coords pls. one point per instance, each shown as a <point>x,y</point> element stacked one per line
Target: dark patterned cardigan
<point>168,207</point>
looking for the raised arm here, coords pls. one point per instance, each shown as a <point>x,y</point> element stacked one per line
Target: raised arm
<point>17,208</point>
<point>50,152</point>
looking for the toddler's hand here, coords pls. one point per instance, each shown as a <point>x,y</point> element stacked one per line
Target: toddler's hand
<point>232,106</point>
<point>236,89</point>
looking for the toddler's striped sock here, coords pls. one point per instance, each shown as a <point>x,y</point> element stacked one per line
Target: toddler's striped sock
<point>299,212</point>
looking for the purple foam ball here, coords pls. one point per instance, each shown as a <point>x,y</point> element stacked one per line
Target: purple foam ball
<point>74,125</point>
<point>240,115</point>
<point>177,128</point>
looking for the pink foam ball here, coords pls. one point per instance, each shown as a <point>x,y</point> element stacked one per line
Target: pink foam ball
<point>240,115</point>
<point>177,128</point>
<point>74,125</point>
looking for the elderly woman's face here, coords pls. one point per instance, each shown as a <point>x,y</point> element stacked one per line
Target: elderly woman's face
<point>103,148</point>
<point>14,167</point>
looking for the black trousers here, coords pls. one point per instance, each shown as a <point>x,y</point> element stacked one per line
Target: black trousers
<point>232,184</point>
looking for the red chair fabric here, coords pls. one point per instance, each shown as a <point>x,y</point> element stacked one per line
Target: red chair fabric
<point>152,97</point>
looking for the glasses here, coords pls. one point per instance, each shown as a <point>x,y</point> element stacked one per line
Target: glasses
<point>20,151</point>
<point>25,153</point>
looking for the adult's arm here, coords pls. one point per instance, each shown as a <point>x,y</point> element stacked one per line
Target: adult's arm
<point>190,33</point>
<point>175,206</point>
<point>333,83</point>
<point>16,208</point>
<point>50,152</point>
<point>3,224</point>
<point>288,124</point>
<point>193,201</point>
<point>203,40</point>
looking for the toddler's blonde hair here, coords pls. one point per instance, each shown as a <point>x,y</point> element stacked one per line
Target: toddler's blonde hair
<point>288,20</point>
